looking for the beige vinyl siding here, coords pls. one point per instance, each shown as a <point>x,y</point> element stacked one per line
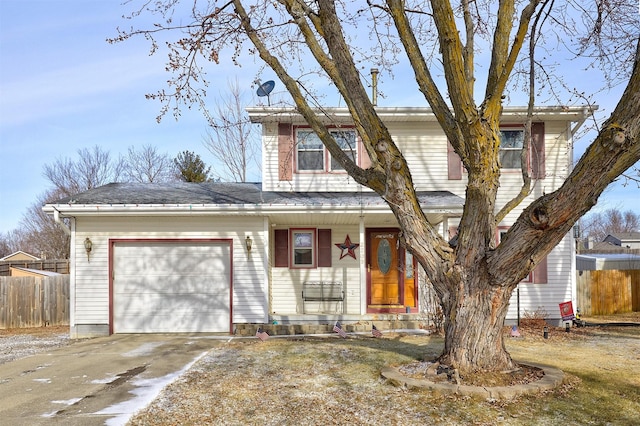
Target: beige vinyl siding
<point>92,279</point>
<point>270,166</point>
<point>424,146</point>
<point>546,297</point>
<point>286,283</point>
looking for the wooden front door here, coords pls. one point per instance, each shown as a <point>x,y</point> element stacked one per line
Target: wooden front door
<point>383,267</point>
<point>390,273</point>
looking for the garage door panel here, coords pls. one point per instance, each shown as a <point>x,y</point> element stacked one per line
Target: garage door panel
<point>171,287</point>
<point>129,285</point>
<point>178,302</point>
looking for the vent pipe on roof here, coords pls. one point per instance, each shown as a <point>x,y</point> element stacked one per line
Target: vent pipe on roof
<point>374,86</point>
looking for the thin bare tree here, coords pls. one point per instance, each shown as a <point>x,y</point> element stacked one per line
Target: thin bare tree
<point>597,226</point>
<point>232,139</point>
<point>147,165</point>
<point>40,234</point>
<point>92,168</point>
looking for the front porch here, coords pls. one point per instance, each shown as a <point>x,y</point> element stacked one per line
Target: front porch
<point>282,325</point>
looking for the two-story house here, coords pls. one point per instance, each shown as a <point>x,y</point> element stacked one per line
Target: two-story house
<point>307,244</point>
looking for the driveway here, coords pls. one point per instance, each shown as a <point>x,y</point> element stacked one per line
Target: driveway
<point>98,381</point>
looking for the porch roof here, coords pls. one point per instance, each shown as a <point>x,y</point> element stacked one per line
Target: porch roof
<point>249,198</point>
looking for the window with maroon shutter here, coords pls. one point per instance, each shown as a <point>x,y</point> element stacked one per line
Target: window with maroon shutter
<point>303,248</point>
<point>281,245</point>
<point>324,247</point>
<point>312,156</point>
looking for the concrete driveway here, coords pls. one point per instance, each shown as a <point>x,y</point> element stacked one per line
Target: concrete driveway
<point>98,381</point>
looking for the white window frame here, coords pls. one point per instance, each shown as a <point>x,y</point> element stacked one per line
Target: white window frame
<point>303,248</point>
<point>328,164</point>
<point>511,149</point>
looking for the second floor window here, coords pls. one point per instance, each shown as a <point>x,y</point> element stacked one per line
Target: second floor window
<point>313,156</point>
<point>511,144</point>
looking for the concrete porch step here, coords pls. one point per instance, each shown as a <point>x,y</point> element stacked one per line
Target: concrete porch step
<point>327,328</point>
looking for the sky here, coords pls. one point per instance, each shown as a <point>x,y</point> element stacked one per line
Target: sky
<point>64,88</point>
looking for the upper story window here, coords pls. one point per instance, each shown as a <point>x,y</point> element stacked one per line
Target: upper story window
<point>511,144</point>
<point>311,154</point>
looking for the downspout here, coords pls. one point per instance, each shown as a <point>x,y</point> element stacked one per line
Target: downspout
<point>58,220</point>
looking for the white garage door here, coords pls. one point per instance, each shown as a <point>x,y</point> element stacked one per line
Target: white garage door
<point>171,286</point>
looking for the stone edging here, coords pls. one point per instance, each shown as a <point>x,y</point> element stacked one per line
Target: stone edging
<point>552,378</point>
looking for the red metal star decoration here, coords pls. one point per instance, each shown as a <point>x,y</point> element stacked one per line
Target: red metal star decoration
<point>349,247</point>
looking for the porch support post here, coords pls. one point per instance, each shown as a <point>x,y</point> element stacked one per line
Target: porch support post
<point>445,227</point>
<point>363,268</point>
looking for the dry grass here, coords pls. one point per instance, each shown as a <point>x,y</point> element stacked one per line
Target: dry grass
<point>35,331</point>
<point>325,381</point>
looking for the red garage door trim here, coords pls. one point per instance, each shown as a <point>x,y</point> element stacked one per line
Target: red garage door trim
<point>114,241</point>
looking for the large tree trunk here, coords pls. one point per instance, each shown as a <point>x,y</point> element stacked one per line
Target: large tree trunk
<point>473,322</point>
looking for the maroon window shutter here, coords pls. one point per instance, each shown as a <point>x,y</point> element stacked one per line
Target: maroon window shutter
<point>540,272</point>
<point>365,161</point>
<point>538,169</point>
<point>285,152</point>
<point>454,163</point>
<point>281,253</point>
<point>324,247</point>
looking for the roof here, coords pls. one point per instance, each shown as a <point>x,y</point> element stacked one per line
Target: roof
<point>37,271</point>
<point>626,236</point>
<point>19,255</point>
<point>213,196</point>
<point>607,261</point>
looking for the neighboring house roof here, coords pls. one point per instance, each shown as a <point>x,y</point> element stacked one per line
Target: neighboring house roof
<point>20,255</point>
<point>621,238</point>
<point>183,196</point>
<point>607,261</point>
<point>603,245</point>
<point>17,271</point>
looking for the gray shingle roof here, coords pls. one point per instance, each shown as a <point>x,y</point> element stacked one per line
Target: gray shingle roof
<point>236,193</point>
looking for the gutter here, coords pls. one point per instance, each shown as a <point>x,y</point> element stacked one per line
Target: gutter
<point>586,113</point>
<point>209,209</point>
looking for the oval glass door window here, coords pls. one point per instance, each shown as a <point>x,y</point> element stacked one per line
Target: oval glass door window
<point>384,256</point>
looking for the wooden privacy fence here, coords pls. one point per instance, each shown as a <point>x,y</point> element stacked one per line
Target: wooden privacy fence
<point>59,266</point>
<point>608,292</point>
<point>34,301</point>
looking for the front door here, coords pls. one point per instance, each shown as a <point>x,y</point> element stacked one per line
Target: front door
<point>389,290</point>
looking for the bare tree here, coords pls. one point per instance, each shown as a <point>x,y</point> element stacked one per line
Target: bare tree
<point>93,167</point>
<point>40,234</point>
<point>598,225</point>
<point>303,42</point>
<point>148,165</point>
<point>7,243</point>
<point>232,138</point>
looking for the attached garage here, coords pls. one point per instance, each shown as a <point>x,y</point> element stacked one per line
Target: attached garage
<point>170,286</point>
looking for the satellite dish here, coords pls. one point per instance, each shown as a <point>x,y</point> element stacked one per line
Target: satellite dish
<point>265,89</point>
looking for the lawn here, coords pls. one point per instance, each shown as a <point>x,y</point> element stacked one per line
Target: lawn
<point>329,380</point>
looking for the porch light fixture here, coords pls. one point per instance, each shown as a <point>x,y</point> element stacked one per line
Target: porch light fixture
<point>249,243</point>
<point>88,245</point>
